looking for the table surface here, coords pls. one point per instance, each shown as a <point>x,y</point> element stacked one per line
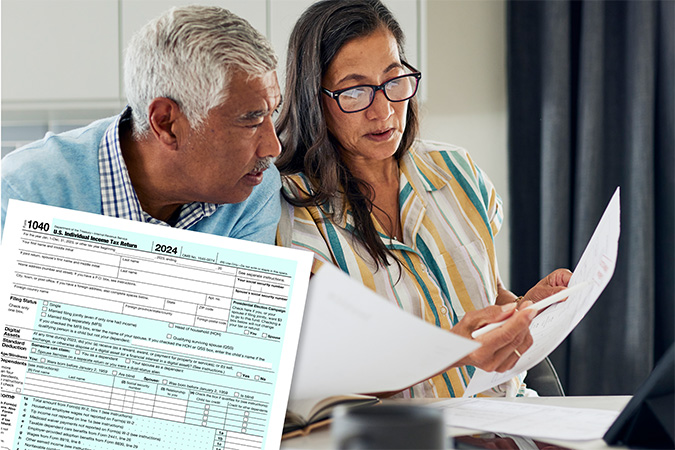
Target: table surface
<point>320,439</point>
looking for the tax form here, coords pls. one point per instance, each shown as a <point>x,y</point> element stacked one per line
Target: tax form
<point>555,323</point>
<point>120,334</point>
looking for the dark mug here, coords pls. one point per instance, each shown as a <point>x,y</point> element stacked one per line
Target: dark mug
<point>388,426</point>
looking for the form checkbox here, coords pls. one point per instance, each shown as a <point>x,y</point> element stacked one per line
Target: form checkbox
<point>168,336</point>
<point>170,325</point>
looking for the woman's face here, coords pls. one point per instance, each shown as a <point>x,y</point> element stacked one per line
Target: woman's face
<point>374,133</point>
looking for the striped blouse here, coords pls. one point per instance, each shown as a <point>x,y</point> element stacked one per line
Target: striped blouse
<point>450,213</point>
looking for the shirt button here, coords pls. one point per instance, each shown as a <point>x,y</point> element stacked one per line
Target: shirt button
<point>444,310</point>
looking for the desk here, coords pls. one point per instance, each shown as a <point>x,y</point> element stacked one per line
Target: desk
<point>320,439</point>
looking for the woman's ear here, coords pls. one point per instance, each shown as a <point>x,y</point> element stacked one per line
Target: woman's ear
<point>165,116</point>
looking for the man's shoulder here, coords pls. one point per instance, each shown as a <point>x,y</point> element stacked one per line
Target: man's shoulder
<point>60,169</point>
<point>253,219</point>
<point>80,143</point>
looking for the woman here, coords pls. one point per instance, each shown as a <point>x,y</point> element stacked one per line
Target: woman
<point>414,221</point>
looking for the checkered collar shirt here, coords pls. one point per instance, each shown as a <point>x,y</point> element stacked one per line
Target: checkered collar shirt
<point>118,196</point>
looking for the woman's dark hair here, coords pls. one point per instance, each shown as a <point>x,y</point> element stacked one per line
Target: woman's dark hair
<point>307,145</point>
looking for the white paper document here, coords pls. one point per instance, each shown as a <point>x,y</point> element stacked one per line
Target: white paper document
<point>526,419</point>
<point>121,334</point>
<point>556,322</point>
<point>354,342</point>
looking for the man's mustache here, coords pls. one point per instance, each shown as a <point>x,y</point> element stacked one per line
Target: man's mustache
<point>264,163</point>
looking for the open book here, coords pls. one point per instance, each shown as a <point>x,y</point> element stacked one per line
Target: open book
<point>304,416</point>
<point>352,342</point>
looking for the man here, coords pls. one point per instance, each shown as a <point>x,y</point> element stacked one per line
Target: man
<point>193,149</point>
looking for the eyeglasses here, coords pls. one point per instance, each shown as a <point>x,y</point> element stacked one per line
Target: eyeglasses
<point>358,98</point>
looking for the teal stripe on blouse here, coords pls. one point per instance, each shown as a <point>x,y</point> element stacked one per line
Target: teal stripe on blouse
<point>334,244</point>
<point>427,294</point>
<point>448,384</point>
<point>393,288</point>
<point>438,274</point>
<point>399,246</point>
<point>483,191</point>
<point>462,162</point>
<point>468,189</point>
<point>404,194</point>
<point>465,376</point>
<point>312,249</point>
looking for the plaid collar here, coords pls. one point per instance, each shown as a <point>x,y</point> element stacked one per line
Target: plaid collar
<point>118,197</point>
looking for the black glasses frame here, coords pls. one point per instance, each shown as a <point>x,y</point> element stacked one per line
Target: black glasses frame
<point>336,94</point>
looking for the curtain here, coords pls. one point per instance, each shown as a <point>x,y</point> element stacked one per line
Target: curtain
<point>591,107</point>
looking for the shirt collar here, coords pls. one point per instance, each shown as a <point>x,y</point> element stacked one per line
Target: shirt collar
<point>118,197</point>
<point>431,176</point>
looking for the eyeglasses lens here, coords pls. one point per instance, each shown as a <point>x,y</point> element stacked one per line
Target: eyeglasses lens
<point>357,98</point>
<point>400,89</point>
<point>360,97</point>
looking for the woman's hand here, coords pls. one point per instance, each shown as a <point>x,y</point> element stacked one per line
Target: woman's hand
<point>498,352</point>
<point>552,283</point>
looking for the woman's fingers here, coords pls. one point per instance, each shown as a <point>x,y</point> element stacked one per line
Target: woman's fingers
<point>513,354</point>
<point>497,352</point>
<point>474,320</point>
<point>552,283</point>
<point>560,277</point>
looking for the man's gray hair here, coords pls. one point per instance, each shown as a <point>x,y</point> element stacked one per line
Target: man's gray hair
<point>188,55</point>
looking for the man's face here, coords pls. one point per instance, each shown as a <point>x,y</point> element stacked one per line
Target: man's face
<point>224,159</point>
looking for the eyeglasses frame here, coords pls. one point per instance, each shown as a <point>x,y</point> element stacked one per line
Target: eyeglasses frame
<point>414,73</point>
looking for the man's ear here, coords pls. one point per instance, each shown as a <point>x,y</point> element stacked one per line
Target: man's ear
<point>165,116</point>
